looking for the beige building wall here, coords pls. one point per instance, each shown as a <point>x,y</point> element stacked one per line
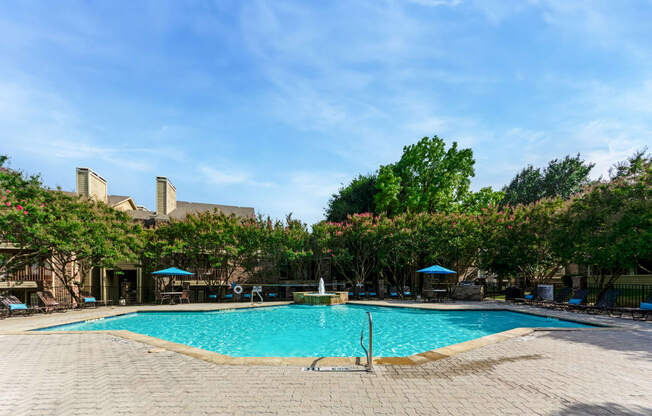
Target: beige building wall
<point>166,196</point>
<point>91,185</point>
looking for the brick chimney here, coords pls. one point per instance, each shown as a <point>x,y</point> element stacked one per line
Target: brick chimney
<point>166,196</point>
<point>91,185</point>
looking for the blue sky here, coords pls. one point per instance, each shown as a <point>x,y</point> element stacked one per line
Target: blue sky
<point>274,104</point>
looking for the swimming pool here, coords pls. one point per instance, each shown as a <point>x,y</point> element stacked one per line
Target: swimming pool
<point>318,331</point>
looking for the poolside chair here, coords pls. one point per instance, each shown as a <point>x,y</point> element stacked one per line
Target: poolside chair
<point>272,295</point>
<point>88,301</point>
<point>184,297</point>
<point>605,303</point>
<point>13,305</point>
<point>50,304</point>
<point>212,297</point>
<point>247,295</point>
<point>373,294</point>
<point>642,313</point>
<point>393,294</point>
<point>576,301</point>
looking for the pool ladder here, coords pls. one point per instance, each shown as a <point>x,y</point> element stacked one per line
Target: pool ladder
<point>368,352</point>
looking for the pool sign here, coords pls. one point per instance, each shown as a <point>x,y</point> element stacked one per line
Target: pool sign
<point>258,289</point>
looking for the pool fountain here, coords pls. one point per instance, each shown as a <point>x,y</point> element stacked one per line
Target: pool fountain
<point>321,297</point>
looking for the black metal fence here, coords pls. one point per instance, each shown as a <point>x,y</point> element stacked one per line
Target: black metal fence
<point>629,295</point>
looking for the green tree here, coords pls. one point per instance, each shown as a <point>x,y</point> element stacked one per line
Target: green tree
<point>432,178</point>
<point>561,178</point>
<point>609,227</point>
<point>518,240</point>
<point>353,246</point>
<point>68,235</point>
<point>355,198</point>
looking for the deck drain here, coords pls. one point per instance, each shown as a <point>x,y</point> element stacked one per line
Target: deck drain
<point>332,369</point>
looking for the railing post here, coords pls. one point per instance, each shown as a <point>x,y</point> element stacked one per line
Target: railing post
<point>370,357</point>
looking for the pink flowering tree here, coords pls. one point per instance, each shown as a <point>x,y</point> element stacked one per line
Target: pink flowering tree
<point>519,240</point>
<point>68,235</point>
<point>353,247</point>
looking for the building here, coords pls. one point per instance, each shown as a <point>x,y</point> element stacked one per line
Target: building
<point>126,281</point>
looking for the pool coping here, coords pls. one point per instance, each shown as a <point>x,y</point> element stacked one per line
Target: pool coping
<point>161,345</point>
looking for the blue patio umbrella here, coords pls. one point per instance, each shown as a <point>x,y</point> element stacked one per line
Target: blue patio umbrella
<point>436,270</point>
<point>172,271</point>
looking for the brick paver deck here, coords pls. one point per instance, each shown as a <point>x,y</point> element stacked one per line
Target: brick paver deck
<point>596,372</point>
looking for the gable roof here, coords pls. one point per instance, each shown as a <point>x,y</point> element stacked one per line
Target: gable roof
<point>185,208</point>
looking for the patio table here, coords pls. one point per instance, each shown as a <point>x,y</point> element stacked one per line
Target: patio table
<point>171,295</point>
<point>439,293</point>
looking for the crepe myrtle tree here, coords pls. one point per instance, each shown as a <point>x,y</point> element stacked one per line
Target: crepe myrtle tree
<point>79,234</point>
<point>22,199</point>
<point>518,240</point>
<point>397,242</point>
<point>353,245</point>
<point>609,227</point>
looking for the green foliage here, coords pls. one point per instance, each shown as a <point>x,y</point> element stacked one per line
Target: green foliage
<point>388,188</point>
<point>432,178</point>
<point>561,178</point>
<point>356,197</point>
<point>66,234</point>
<point>518,240</point>
<point>609,227</point>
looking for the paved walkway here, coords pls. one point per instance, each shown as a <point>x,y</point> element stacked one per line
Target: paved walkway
<point>597,372</point>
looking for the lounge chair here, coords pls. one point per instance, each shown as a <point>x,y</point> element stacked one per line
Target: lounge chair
<point>50,304</point>
<point>372,294</point>
<point>212,297</point>
<point>228,296</point>
<point>393,294</point>
<point>605,303</point>
<point>642,313</point>
<point>87,301</point>
<point>576,301</point>
<point>247,296</point>
<point>14,305</point>
<point>272,295</point>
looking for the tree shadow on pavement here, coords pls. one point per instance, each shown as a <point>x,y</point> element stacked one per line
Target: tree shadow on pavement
<point>610,409</point>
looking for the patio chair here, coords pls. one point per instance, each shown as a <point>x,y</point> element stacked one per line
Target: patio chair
<point>605,303</point>
<point>272,295</point>
<point>212,297</point>
<point>88,301</point>
<point>13,305</point>
<point>184,297</point>
<point>228,296</point>
<point>50,304</point>
<point>576,301</point>
<point>643,312</point>
<point>247,296</point>
<point>393,294</point>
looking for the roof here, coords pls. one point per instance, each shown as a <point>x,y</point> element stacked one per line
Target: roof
<point>186,208</point>
<point>116,199</point>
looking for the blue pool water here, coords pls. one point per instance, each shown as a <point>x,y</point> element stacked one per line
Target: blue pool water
<point>316,331</point>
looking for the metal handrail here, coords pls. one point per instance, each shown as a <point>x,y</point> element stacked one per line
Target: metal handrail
<point>369,352</point>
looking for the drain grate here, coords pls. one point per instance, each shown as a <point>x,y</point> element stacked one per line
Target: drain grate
<point>331,369</point>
